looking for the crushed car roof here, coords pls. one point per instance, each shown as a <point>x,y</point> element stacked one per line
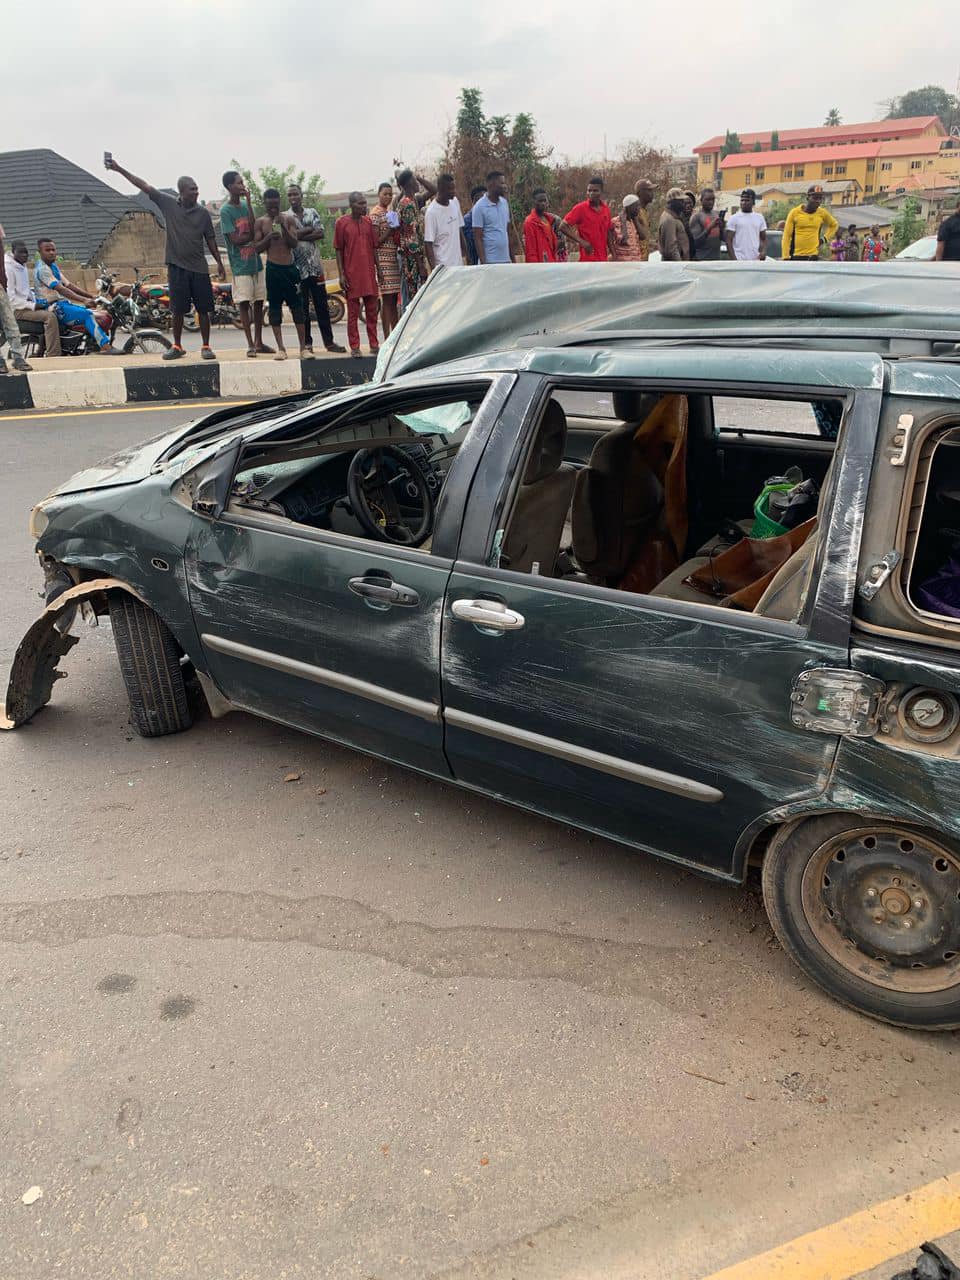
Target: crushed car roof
<point>469,311</point>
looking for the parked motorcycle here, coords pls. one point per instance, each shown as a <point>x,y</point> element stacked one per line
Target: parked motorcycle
<point>153,300</point>
<point>117,314</point>
<point>225,310</point>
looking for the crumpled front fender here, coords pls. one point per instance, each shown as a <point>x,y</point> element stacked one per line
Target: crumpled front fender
<point>34,669</point>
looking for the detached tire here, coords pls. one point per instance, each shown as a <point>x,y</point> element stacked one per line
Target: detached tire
<point>151,670</point>
<point>870,911</point>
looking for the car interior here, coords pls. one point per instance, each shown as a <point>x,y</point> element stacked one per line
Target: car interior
<point>377,475</point>
<point>656,493</point>
<point>933,546</point>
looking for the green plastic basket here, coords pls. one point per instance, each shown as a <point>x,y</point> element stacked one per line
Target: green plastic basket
<point>763,526</point>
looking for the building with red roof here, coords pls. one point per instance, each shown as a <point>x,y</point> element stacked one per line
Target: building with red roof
<point>915,131</point>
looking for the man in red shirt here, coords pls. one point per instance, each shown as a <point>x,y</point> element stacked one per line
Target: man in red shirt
<point>588,224</point>
<point>539,237</point>
<point>355,243</point>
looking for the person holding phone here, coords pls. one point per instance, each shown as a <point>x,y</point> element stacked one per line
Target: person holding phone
<point>707,228</point>
<point>189,230</point>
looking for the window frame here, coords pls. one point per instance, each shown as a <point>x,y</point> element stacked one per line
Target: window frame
<point>827,612</point>
<point>499,387</point>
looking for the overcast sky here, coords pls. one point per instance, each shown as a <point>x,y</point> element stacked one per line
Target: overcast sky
<point>184,86</point>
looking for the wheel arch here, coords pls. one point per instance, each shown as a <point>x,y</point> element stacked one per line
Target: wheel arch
<point>35,667</point>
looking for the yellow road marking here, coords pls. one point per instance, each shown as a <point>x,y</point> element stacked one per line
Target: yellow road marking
<point>133,408</point>
<point>864,1240</point>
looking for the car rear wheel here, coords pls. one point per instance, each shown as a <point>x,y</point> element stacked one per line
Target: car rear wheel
<point>151,669</point>
<point>871,912</point>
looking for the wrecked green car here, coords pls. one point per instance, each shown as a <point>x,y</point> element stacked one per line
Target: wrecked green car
<point>671,554</point>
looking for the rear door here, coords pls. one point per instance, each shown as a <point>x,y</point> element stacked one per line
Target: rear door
<point>664,724</point>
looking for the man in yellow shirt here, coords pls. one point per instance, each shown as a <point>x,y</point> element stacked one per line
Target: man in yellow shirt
<point>806,226</point>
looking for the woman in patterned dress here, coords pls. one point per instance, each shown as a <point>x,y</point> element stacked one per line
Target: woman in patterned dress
<point>413,256</point>
<point>386,223</point>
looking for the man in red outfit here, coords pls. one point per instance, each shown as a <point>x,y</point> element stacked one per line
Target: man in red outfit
<point>588,224</point>
<point>355,243</point>
<point>539,237</point>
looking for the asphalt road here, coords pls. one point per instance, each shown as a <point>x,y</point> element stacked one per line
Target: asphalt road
<point>365,1025</point>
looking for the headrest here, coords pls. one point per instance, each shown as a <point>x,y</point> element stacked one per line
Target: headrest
<point>549,445</point>
<point>633,406</point>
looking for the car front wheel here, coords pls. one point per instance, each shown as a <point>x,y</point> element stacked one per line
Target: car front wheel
<point>151,669</point>
<point>871,912</point>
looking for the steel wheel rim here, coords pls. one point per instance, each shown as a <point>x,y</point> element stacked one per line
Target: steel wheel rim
<point>884,903</point>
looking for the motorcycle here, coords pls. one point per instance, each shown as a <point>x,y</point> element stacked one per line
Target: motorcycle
<point>225,310</point>
<point>153,301</point>
<point>117,313</point>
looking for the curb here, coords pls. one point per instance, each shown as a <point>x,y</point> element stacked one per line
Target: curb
<point>92,386</point>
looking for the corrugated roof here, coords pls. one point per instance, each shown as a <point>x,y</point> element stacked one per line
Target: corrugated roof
<point>870,129</point>
<point>42,193</point>
<point>800,188</point>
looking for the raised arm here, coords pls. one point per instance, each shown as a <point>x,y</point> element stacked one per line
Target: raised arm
<point>132,178</point>
<point>429,190</point>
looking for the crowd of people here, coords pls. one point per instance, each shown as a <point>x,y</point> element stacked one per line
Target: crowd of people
<point>385,254</point>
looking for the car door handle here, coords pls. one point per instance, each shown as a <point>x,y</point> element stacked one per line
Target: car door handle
<point>382,592</point>
<point>488,614</point>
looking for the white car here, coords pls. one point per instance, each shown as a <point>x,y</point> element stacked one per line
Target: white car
<point>922,250</point>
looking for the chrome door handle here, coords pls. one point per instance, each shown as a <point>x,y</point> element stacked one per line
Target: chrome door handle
<point>383,592</point>
<point>488,614</point>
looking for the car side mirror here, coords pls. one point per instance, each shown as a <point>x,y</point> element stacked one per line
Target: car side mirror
<point>207,500</point>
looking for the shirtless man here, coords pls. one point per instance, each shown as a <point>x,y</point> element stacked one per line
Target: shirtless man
<point>276,235</point>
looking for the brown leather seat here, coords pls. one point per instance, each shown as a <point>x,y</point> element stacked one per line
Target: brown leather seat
<point>629,505</point>
<point>536,526</point>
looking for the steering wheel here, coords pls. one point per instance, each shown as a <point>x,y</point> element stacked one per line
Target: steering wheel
<point>383,485</point>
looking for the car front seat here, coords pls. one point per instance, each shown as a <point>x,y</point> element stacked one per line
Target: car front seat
<point>543,500</point>
<point>629,506</point>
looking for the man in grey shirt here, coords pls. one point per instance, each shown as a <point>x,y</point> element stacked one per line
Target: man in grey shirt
<point>189,232</point>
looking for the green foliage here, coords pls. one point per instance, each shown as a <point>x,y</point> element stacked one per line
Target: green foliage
<point>271,176</point>
<point>757,146</point>
<point>777,212</point>
<point>930,100</point>
<point>731,144</point>
<point>479,143</point>
<point>833,118</point>
<point>908,224</point>
<point>471,122</point>
<point>775,140</point>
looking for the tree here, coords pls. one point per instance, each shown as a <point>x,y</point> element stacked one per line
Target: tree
<point>931,100</point>
<point>731,144</point>
<point>907,225</point>
<point>775,140</point>
<point>757,146</point>
<point>471,122</point>
<point>833,118</point>
<point>271,176</point>
<point>479,143</point>
<point>777,211</point>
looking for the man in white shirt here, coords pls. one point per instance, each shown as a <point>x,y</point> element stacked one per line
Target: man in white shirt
<point>24,300</point>
<point>746,232</point>
<point>443,227</point>
<point>9,330</point>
